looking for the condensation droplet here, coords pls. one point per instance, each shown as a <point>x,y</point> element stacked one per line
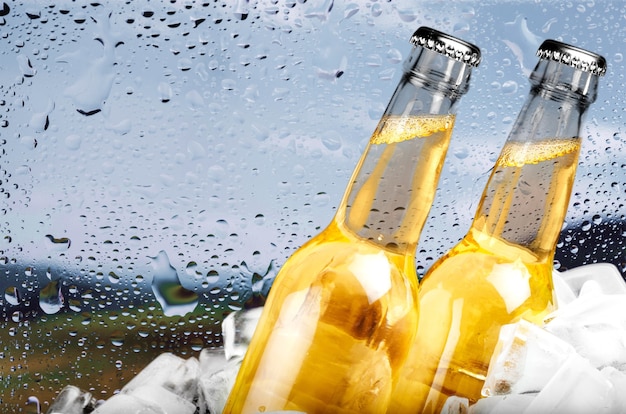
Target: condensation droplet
<point>117,338</point>
<point>461,152</point>
<point>73,142</point>
<point>12,295</point>
<point>114,278</point>
<point>51,298</point>
<point>167,288</point>
<point>57,244</point>
<point>332,140</point>
<point>17,316</point>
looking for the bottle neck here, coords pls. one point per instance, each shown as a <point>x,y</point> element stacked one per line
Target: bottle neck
<point>394,183</point>
<point>526,198</point>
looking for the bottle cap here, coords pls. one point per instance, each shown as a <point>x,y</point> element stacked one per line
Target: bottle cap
<point>572,56</point>
<point>445,44</point>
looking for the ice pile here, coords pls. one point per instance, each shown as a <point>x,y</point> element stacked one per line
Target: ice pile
<point>173,385</point>
<point>575,364</point>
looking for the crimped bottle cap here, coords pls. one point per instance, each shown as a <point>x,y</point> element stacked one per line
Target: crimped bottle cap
<point>445,44</point>
<point>572,56</point>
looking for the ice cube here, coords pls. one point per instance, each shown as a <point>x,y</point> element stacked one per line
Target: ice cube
<point>72,400</point>
<point>595,325</point>
<point>455,405</point>
<point>606,275</point>
<point>618,379</point>
<point>525,358</point>
<point>576,388</point>
<point>216,380</point>
<point>170,372</point>
<point>237,330</point>
<point>169,402</point>
<point>128,404</point>
<point>502,404</point>
<point>563,292</point>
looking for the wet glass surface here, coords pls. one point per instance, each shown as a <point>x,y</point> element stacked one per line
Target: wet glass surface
<point>159,161</point>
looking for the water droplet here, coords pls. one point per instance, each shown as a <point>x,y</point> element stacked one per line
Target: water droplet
<point>117,337</point>
<point>522,42</point>
<point>350,10</point>
<point>394,56</point>
<point>192,269</point>
<point>28,141</point>
<point>461,28</point>
<point>57,244</point>
<point>332,140</point>
<point>259,219</point>
<point>196,344</point>
<point>34,404</point>
<point>184,64</point>
<point>242,9</point>
<point>509,87</point>
<point>17,316</point>
<point>167,288</point>
<point>73,141</point>
<point>5,10</point>
<point>40,121</point>
<point>165,92</point>
<point>461,152</point>
<point>321,199</point>
<point>407,15</point>
<point>524,187</point>
<point>12,295</point>
<point>196,150</point>
<point>212,277</point>
<point>195,100</point>
<point>25,66</point>
<point>51,298</point>
<point>376,10</point>
<point>114,278</point>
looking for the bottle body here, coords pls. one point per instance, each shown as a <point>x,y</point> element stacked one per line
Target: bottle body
<point>336,340</point>
<point>342,312</point>
<point>501,271</point>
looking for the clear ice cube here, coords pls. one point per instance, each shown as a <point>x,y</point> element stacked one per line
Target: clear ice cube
<point>595,325</point>
<point>216,380</point>
<point>72,400</point>
<point>455,405</point>
<point>525,358</point>
<point>577,388</point>
<point>128,404</point>
<point>563,292</point>
<point>169,402</point>
<point>618,379</point>
<point>606,275</point>
<point>171,372</point>
<point>237,330</point>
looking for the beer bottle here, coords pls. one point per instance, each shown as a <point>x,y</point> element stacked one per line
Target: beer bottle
<point>341,314</point>
<point>501,271</point>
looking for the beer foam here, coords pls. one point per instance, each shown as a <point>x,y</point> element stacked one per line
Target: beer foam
<point>393,129</point>
<point>517,154</point>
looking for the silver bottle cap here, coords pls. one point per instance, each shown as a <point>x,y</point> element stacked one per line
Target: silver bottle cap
<point>445,44</point>
<point>572,56</point>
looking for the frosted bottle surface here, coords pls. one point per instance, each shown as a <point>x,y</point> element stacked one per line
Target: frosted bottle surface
<point>342,312</point>
<point>501,271</point>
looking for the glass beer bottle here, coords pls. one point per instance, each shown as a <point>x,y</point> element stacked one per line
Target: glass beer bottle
<point>341,314</point>
<point>501,271</point>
